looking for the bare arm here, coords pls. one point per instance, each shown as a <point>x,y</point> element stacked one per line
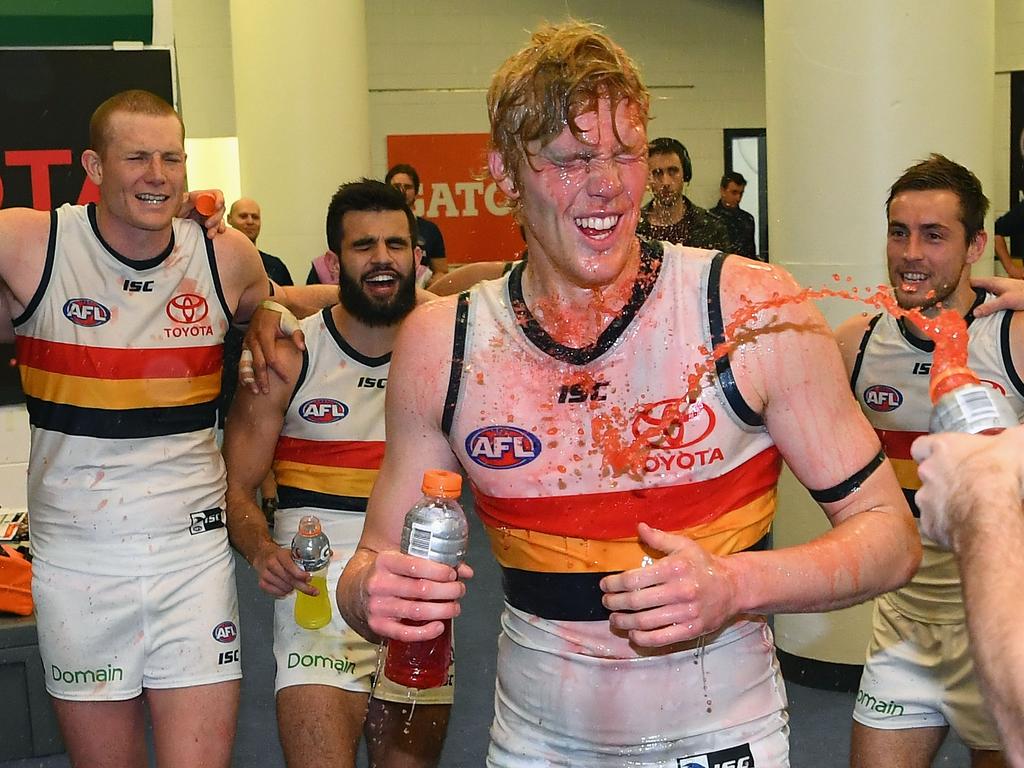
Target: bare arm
<point>792,373</point>
<point>1009,294</point>
<point>250,437</point>
<point>1003,253</point>
<point>971,498</point>
<point>381,586</point>
<point>24,234</point>
<point>464,278</point>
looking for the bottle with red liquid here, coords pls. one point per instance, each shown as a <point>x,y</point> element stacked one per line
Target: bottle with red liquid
<point>961,403</point>
<point>435,529</point>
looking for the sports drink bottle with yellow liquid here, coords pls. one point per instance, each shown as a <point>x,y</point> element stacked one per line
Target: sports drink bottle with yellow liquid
<point>311,551</point>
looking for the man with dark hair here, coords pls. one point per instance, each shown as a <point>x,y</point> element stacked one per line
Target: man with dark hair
<point>120,310</point>
<point>738,223</point>
<point>670,215</point>
<point>326,467</point>
<point>634,629</point>
<point>406,180</point>
<point>918,680</point>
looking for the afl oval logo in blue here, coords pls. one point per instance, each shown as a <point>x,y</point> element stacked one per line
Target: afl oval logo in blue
<point>86,312</point>
<point>323,410</point>
<point>502,447</point>
<point>882,398</point>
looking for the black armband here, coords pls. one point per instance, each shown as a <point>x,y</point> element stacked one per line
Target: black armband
<point>844,488</point>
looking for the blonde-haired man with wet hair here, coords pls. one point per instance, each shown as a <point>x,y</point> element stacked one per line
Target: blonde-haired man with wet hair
<point>634,627</point>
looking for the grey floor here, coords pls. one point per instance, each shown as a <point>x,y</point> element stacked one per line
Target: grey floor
<point>820,720</point>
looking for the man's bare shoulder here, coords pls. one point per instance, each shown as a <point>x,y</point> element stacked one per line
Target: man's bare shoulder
<point>428,332</point>
<point>25,226</point>
<point>750,282</point>
<point>232,244</point>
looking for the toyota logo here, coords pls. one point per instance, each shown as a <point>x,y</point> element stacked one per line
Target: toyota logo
<point>187,308</point>
<point>673,424</point>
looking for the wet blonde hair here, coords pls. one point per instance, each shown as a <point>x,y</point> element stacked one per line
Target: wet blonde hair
<point>547,85</point>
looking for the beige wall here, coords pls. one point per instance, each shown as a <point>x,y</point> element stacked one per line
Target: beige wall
<point>431,63</point>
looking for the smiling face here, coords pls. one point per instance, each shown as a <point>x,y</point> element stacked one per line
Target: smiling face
<point>580,196</point>
<point>377,281</point>
<point>926,249</point>
<point>141,172</point>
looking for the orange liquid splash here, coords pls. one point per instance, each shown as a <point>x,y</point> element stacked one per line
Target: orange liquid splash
<point>622,455</point>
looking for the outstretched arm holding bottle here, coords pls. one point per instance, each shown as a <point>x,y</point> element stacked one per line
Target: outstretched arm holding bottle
<point>971,501</point>
<point>381,587</point>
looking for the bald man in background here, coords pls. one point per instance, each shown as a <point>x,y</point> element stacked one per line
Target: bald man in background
<point>245,216</point>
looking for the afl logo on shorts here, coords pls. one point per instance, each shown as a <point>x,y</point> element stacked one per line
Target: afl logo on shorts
<point>882,398</point>
<point>225,632</point>
<point>187,308</point>
<point>673,424</point>
<point>86,312</point>
<point>502,447</point>
<point>323,410</point>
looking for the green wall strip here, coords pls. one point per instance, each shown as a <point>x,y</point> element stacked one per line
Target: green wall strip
<point>74,22</point>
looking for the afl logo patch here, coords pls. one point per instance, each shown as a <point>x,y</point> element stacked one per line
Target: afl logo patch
<point>882,398</point>
<point>502,447</point>
<point>225,632</point>
<point>323,410</point>
<point>86,312</point>
<point>187,308</point>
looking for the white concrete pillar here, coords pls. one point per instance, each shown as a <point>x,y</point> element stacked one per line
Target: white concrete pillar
<point>302,115</point>
<point>856,92</point>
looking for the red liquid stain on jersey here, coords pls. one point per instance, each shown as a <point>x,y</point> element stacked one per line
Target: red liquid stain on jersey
<point>624,453</point>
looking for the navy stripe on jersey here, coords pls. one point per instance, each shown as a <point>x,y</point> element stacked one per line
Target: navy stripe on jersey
<point>860,351</point>
<point>458,356</point>
<point>723,368</point>
<point>289,497</point>
<point>44,280</point>
<point>651,256</point>
<point>120,424</point>
<point>1007,351</point>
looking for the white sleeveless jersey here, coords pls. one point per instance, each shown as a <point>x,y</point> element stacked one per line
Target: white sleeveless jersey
<point>332,442</point>
<point>890,380</point>
<point>120,363</point>
<point>523,413</point>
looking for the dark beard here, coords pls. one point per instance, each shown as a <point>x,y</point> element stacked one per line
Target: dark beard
<point>373,313</point>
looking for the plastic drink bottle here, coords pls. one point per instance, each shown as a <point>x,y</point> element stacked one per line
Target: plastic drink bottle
<point>961,403</point>
<point>311,551</point>
<point>435,529</point>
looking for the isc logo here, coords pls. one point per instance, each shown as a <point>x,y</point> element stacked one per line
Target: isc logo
<point>225,632</point>
<point>882,398</point>
<point>86,312</point>
<point>323,410</point>
<point>502,447</point>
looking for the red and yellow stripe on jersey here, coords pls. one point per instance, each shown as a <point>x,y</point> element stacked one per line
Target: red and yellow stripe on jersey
<point>549,569</point>
<point>329,474</point>
<point>897,447</point>
<point>104,392</point>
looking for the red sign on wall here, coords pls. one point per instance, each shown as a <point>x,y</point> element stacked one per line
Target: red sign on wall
<point>458,195</point>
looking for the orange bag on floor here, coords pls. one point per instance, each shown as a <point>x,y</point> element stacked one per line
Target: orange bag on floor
<point>15,582</point>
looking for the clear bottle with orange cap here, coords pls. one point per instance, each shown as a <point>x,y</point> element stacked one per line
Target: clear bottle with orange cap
<point>961,403</point>
<point>435,529</point>
<point>311,551</point>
